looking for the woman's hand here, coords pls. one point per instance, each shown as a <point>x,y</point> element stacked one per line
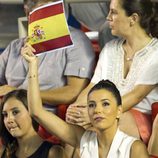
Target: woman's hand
<point>27,51</point>
<point>78,114</point>
<point>6,89</point>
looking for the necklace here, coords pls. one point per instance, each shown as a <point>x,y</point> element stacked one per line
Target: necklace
<point>129,58</point>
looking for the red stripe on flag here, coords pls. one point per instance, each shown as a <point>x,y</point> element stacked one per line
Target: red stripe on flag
<point>46,12</point>
<point>52,44</point>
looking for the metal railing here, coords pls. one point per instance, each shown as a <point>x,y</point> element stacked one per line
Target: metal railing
<point>68,1</point>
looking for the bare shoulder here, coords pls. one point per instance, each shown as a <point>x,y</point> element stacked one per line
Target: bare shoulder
<point>57,151</point>
<point>138,149</point>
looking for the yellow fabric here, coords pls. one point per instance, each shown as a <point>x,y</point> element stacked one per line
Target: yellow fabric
<point>50,28</point>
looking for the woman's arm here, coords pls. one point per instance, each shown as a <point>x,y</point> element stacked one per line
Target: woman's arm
<point>153,142</point>
<point>138,149</point>
<point>132,98</point>
<point>57,151</point>
<point>69,133</point>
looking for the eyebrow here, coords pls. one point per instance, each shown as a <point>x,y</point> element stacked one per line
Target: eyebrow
<point>101,100</point>
<point>14,108</point>
<point>112,9</point>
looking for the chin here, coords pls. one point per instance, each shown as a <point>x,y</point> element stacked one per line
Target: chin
<point>114,33</point>
<point>16,134</point>
<point>100,126</point>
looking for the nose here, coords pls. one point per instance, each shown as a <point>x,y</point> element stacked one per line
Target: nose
<point>108,18</point>
<point>10,118</point>
<point>98,109</point>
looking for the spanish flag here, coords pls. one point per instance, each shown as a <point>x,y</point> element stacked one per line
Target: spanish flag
<point>48,29</point>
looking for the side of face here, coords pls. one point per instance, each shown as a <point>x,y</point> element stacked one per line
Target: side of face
<point>16,118</point>
<point>103,109</point>
<point>119,22</point>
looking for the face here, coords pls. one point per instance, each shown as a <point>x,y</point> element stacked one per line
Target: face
<point>103,109</point>
<point>16,118</point>
<point>119,22</point>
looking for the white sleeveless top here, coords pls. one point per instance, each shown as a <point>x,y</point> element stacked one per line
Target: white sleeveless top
<point>120,147</point>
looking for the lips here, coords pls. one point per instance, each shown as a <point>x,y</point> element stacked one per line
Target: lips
<point>12,128</point>
<point>98,118</point>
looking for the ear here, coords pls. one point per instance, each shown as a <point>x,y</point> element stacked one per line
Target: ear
<point>119,112</point>
<point>134,18</point>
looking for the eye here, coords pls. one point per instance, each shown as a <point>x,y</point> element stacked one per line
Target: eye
<point>105,104</point>
<point>113,12</point>
<point>4,114</point>
<point>15,112</point>
<point>91,105</point>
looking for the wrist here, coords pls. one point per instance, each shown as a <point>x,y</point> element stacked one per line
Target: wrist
<point>31,76</point>
<point>33,62</point>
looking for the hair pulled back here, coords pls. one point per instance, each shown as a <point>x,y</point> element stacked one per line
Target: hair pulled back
<point>147,11</point>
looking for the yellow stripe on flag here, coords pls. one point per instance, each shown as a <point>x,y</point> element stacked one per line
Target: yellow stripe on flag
<point>47,29</point>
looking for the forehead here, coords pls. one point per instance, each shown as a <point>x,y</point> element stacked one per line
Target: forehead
<point>101,94</point>
<point>115,4</point>
<point>13,103</point>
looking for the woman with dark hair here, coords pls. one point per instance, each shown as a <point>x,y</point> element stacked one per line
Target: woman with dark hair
<point>18,130</point>
<point>131,63</point>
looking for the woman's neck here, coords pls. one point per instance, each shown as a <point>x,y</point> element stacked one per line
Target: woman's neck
<point>28,144</point>
<point>136,41</point>
<point>105,139</point>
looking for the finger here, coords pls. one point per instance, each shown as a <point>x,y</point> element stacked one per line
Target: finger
<point>26,40</point>
<point>72,106</point>
<point>85,124</point>
<point>27,51</point>
<point>73,111</point>
<point>83,112</point>
<point>74,115</point>
<point>31,48</point>
<point>82,106</point>
<point>72,119</point>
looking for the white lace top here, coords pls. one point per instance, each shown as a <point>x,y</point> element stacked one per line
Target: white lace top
<point>144,70</point>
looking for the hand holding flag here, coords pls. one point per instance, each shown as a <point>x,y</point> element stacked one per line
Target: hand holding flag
<point>48,29</point>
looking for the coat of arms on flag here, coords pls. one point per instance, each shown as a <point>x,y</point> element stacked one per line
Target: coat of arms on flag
<point>48,28</point>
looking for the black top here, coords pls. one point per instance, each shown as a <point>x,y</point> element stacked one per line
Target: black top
<point>41,152</point>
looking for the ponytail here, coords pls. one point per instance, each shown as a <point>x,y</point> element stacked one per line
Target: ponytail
<point>154,21</point>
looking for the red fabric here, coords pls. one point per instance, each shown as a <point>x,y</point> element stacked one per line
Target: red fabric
<point>48,11</point>
<point>153,156</point>
<point>154,110</point>
<point>144,124</point>
<point>47,136</point>
<point>61,111</point>
<point>52,44</point>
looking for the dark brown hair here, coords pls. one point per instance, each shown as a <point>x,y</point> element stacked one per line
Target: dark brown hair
<point>148,12</point>
<point>8,140</point>
<point>109,86</point>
